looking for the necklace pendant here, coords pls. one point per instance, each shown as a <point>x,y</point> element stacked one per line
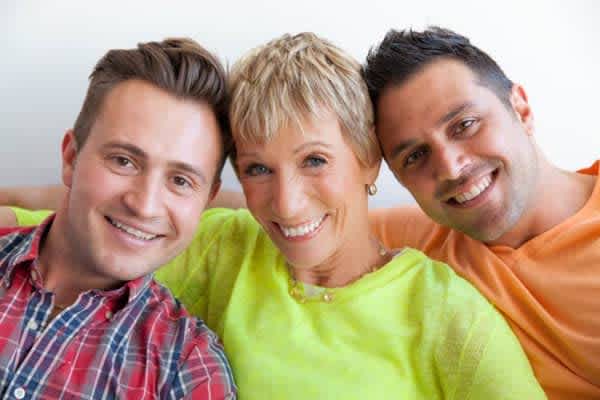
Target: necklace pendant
<point>327,297</point>
<point>296,293</point>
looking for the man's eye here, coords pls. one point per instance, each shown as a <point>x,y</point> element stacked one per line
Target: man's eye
<point>181,181</point>
<point>414,157</point>
<point>314,161</point>
<point>122,161</point>
<point>256,170</point>
<point>465,125</point>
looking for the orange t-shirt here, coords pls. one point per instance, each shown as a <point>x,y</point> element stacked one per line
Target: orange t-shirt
<point>548,289</point>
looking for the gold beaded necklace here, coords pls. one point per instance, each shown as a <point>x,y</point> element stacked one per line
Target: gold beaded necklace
<point>300,291</point>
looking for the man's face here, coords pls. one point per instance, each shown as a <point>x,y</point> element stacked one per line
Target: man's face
<point>467,158</point>
<point>140,181</point>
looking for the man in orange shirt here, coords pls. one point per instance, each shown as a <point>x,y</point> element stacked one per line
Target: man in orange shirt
<point>459,135</point>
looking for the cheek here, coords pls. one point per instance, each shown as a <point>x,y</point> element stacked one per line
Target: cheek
<point>186,214</point>
<point>411,183</point>
<point>500,138</point>
<point>339,181</point>
<point>420,189</point>
<point>254,192</point>
<point>334,186</point>
<point>94,185</point>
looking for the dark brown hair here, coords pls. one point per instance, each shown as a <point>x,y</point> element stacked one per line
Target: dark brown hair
<point>401,54</point>
<point>179,66</point>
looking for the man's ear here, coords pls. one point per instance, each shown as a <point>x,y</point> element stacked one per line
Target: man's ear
<point>69,156</point>
<point>521,107</point>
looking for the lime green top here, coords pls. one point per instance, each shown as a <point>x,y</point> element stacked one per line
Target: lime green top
<point>413,329</point>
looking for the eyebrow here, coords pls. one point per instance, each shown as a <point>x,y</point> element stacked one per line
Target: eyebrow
<point>314,143</point>
<point>396,151</point>
<point>296,151</point>
<point>402,146</point>
<point>138,152</point>
<point>454,112</point>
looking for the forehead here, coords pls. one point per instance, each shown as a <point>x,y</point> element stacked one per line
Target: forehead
<point>429,100</point>
<point>164,127</point>
<point>438,87</point>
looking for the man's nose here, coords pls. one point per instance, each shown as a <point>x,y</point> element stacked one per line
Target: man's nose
<point>144,197</point>
<point>449,162</point>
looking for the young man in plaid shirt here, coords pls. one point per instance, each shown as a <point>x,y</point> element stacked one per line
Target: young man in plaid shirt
<point>80,314</point>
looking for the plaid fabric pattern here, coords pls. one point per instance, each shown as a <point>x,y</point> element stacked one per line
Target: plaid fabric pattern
<point>136,342</point>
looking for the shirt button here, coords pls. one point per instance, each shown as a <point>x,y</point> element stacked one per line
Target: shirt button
<point>19,393</point>
<point>108,315</point>
<point>33,325</point>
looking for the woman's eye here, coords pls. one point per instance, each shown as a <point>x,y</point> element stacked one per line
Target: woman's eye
<point>256,170</point>
<point>314,162</point>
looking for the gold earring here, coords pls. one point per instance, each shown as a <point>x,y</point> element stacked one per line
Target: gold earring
<point>372,189</point>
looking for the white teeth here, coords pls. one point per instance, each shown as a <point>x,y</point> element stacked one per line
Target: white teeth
<point>475,190</point>
<point>132,231</point>
<point>301,230</point>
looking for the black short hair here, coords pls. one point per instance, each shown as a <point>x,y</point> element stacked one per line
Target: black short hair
<point>403,53</point>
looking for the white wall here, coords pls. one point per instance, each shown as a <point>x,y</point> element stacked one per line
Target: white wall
<point>48,49</point>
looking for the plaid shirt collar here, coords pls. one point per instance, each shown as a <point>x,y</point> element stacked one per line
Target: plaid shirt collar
<point>28,252</point>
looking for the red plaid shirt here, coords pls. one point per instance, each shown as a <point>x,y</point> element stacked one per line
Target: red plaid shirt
<point>136,342</point>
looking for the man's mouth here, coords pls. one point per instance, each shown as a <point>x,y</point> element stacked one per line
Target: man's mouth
<point>136,233</point>
<point>474,190</point>
<point>301,230</point>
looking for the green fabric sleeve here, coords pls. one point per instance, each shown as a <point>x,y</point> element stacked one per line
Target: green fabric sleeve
<point>30,217</point>
<point>504,371</point>
<point>479,356</point>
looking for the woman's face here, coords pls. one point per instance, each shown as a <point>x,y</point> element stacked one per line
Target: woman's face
<point>307,189</point>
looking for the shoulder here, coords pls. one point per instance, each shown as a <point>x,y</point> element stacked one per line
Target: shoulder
<point>13,238</point>
<point>440,288</point>
<point>234,232</point>
<point>402,226</point>
<point>462,316</point>
<point>224,225</point>
<point>424,268</point>
<point>221,232</point>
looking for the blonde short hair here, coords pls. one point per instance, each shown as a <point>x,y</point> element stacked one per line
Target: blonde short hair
<point>296,77</point>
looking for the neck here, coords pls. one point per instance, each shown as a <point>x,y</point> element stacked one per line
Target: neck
<point>357,257</point>
<point>573,190</point>
<point>62,271</point>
